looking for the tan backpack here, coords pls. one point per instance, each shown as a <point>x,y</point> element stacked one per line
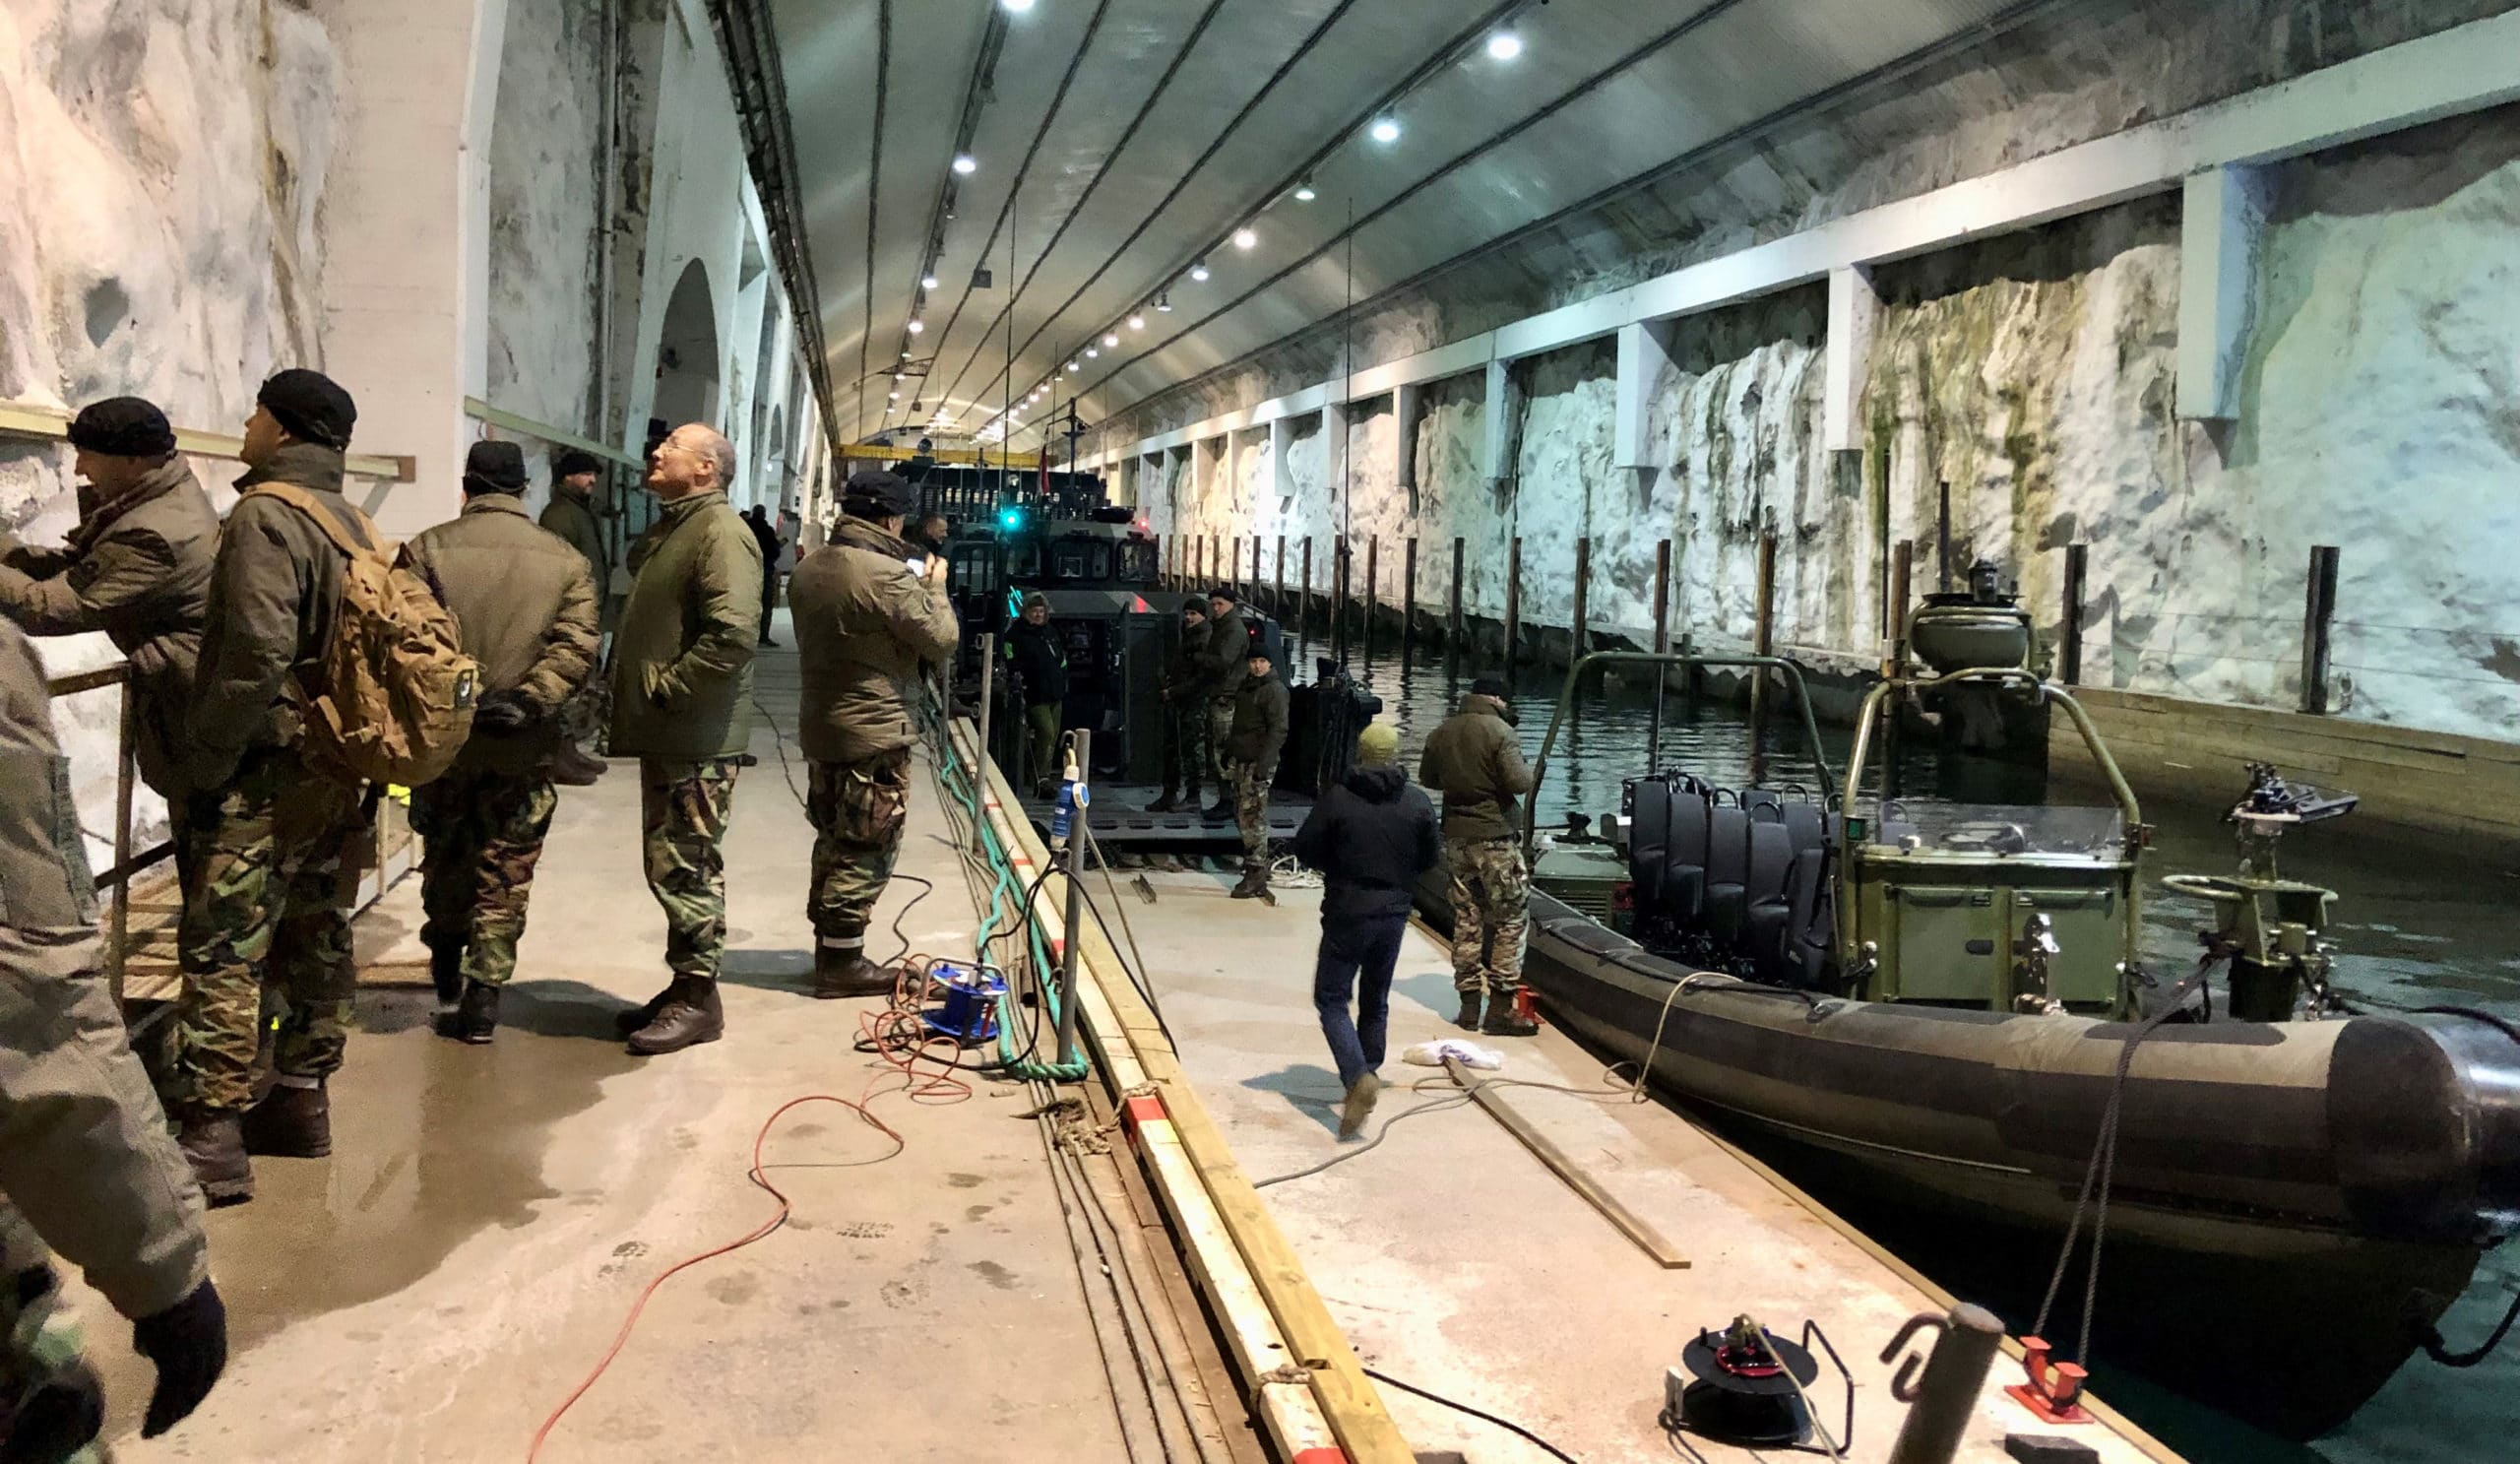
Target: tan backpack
<point>392,701</point>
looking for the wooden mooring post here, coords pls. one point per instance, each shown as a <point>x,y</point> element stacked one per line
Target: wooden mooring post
<point>1409,605</point>
<point>1583,609</point>
<point>1662,647</point>
<point>1373,593</point>
<point>2318,620</point>
<point>1304,617</point>
<point>1762,643</point>
<point>1277,583</point>
<point>1255,571</point>
<point>1452,616</point>
<point>2069,648</point>
<point>1893,655</point>
<point>1340,553</point>
<point>1513,606</point>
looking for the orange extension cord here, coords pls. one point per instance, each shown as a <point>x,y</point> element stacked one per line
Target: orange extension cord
<point>896,1035</point>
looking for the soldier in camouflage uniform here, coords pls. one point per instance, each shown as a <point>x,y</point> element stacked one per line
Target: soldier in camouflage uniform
<point>525,605</point>
<point>279,840</point>
<point>86,1166</point>
<point>1225,663</point>
<point>870,627</point>
<point>1185,715</point>
<point>1254,740</point>
<point>1473,762</point>
<point>573,515</point>
<point>682,705</point>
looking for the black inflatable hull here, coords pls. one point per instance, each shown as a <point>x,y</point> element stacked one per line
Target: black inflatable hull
<point>2292,1204</point>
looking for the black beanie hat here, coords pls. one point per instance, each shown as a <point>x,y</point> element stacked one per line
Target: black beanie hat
<point>876,495</point>
<point>311,406</point>
<point>575,460</point>
<point>1492,686</point>
<point>494,467</point>
<point>1222,592</point>
<point>123,427</point>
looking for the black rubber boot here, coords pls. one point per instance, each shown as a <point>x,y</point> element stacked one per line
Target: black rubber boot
<point>1503,1020</point>
<point>573,767</point>
<point>1221,812</point>
<point>841,974</point>
<point>1467,1019</point>
<point>57,1418</point>
<point>1168,803</point>
<point>290,1123</point>
<point>627,1022</point>
<point>692,1017</point>
<point>476,1021</point>
<point>1254,885</point>
<point>213,1145</point>
<point>446,973</point>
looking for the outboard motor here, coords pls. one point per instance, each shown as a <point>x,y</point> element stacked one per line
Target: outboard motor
<point>2272,928</point>
<point>1323,720</point>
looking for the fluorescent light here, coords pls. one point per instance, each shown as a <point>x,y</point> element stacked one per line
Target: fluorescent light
<point>965,164</point>
<point>1199,272</point>
<point>1017,6</point>
<point>916,327</point>
<point>1385,130</point>
<point>928,281</point>
<point>1304,193</point>
<point>1245,238</point>
<point>1112,340</point>
<point>1504,45</point>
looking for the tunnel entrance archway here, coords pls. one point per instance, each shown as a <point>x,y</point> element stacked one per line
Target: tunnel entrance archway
<point>687,384</point>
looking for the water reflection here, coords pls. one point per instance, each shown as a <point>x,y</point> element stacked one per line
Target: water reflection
<point>2415,927</point>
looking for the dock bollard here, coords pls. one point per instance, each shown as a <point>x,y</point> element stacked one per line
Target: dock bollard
<point>1941,1403</point>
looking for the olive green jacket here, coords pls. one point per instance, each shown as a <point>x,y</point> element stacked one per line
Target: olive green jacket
<point>1259,730</point>
<point>868,627</point>
<point>573,519</point>
<point>273,590</point>
<point>137,570</point>
<point>683,657</point>
<point>525,608</point>
<point>1226,663</point>
<point>86,1163</point>
<point>1473,762</point>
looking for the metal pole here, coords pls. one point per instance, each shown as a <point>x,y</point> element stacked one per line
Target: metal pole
<point>123,771</point>
<point>1452,616</point>
<point>1762,643</point>
<point>1583,599</point>
<point>1942,539</point>
<point>1409,605</point>
<point>1662,647</point>
<point>1343,555</point>
<point>1513,608</point>
<point>989,687</point>
<point>1373,592</point>
<point>2069,656</point>
<point>1893,655</point>
<point>1075,916</point>
<point>1942,1403</point>
<point>1277,581</point>
<point>1306,616</point>
<point>2316,622</point>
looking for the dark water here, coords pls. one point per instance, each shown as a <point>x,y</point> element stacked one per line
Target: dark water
<point>2416,926</point>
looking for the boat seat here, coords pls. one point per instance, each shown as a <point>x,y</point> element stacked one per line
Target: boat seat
<point>1805,825</point>
<point>1684,890</point>
<point>1809,930</point>
<point>1753,798</point>
<point>1765,908</point>
<point>1649,837</point>
<point>1728,873</point>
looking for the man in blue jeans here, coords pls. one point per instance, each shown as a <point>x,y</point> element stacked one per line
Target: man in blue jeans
<point>1371,837</point>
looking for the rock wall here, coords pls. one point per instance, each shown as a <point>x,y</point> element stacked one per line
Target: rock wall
<point>167,163</point>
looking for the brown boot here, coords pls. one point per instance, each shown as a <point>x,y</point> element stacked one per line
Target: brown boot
<point>572,767</point>
<point>627,1022</point>
<point>290,1123</point>
<point>693,1016</point>
<point>1504,1019</point>
<point>1467,1019</point>
<point>215,1149</point>
<point>842,973</point>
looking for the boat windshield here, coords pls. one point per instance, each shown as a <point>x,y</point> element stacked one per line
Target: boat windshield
<point>1982,830</point>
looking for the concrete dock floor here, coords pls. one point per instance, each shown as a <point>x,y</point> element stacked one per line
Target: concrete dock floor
<point>436,1288</point>
<point>1454,1260</point>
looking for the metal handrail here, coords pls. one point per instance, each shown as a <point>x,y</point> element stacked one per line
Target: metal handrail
<point>125,865</point>
<point>2047,690</point>
<point>33,422</point>
<point>1575,672</point>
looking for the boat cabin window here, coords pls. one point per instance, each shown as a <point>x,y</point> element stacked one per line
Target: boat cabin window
<point>1137,562</point>
<point>1991,830</point>
<point>1082,559</point>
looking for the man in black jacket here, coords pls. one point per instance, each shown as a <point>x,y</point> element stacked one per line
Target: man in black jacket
<point>766,534</point>
<point>1033,650</point>
<point>1371,837</point>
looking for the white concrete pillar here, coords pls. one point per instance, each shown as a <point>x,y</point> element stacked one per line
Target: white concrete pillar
<point>1281,481</point>
<point>1644,354</point>
<point>407,280</point>
<point>1403,439</point>
<point>1500,409</point>
<point>2225,218</point>
<point>1335,418</point>
<point>1854,316</point>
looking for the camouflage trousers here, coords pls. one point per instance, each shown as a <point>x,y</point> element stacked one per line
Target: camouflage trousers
<point>1492,914</point>
<point>43,1369</point>
<point>1185,748</point>
<point>277,855</point>
<point>1219,730</point>
<point>683,811</point>
<point>587,716</point>
<point>1250,785</point>
<point>858,811</point>
<point>482,835</point>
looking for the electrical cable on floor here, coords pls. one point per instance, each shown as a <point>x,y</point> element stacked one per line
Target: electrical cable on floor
<point>1481,1414</point>
<point>1432,1105</point>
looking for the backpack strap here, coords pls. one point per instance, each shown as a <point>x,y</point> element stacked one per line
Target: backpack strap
<point>304,503</point>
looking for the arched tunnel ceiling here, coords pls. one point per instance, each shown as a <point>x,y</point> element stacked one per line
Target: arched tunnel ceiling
<point>1120,141</point>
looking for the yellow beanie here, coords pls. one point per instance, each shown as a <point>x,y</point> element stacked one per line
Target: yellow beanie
<point>1378,745</point>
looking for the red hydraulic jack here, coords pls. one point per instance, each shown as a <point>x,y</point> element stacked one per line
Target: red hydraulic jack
<point>1524,1006</point>
<point>2055,1390</point>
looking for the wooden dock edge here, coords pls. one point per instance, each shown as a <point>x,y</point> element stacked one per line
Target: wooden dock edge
<point>1305,1382</point>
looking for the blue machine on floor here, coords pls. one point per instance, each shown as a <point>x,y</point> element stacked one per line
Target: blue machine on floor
<point>969,1013</point>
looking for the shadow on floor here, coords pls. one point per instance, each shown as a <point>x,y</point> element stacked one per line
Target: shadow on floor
<point>766,969</point>
<point>1308,1086</point>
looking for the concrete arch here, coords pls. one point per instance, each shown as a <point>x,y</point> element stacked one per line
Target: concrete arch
<point>688,384</point>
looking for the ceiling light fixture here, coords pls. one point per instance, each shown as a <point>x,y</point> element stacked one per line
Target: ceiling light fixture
<point>1199,272</point>
<point>897,396</point>
<point>1385,130</point>
<point>1504,45</point>
<point>1164,303</point>
<point>965,164</point>
<point>1112,340</point>
<point>928,281</point>
<point>1017,6</point>
<point>1137,322</point>
<point>916,327</point>
<point>1304,193</point>
<point>1091,351</point>
<point>1245,238</point>
<point>1080,365</point>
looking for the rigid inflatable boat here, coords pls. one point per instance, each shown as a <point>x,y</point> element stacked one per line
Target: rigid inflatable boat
<point>1922,1014</point>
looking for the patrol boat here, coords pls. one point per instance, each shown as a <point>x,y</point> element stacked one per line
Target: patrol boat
<point>1939,1020</point>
